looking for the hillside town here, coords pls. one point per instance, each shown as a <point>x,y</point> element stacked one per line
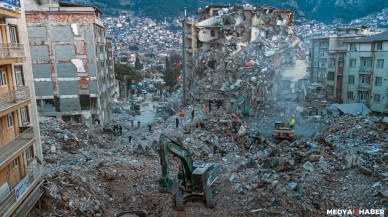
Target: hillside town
<point>241,110</point>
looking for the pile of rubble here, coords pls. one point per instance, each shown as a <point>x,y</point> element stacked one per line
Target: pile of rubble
<point>248,54</point>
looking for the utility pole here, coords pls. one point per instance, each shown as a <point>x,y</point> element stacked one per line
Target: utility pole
<point>184,57</point>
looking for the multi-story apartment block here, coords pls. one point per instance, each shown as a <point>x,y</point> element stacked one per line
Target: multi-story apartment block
<point>111,71</point>
<point>70,62</point>
<point>365,74</point>
<point>20,148</point>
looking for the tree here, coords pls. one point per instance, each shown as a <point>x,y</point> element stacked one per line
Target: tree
<point>138,65</point>
<point>126,72</point>
<point>170,77</point>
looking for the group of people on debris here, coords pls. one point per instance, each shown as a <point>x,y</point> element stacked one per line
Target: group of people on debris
<point>207,111</point>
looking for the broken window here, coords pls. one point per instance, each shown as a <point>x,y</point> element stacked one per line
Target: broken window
<point>213,33</point>
<point>350,95</point>
<point>364,96</point>
<point>352,63</point>
<point>24,116</point>
<point>376,98</point>
<point>10,120</point>
<point>380,63</point>
<point>365,79</point>
<point>351,79</point>
<point>3,77</point>
<point>30,153</point>
<point>353,47</point>
<point>19,75</point>
<point>367,63</point>
<point>378,81</point>
<point>330,76</point>
<point>93,102</point>
<point>379,45</point>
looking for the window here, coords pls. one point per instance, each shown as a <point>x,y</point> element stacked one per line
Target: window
<point>367,63</point>
<point>365,79</point>
<point>332,63</point>
<point>379,45</point>
<point>380,63</point>
<point>13,34</point>
<point>324,44</point>
<point>30,153</point>
<point>15,163</point>
<point>322,74</point>
<point>351,79</point>
<point>9,120</point>
<point>321,54</point>
<point>350,95</point>
<point>376,98</point>
<point>353,47</point>
<point>364,96</point>
<point>322,65</point>
<point>19,76</point>
<point>330,76</point>
<point>3,78</point>
<point>378,81</point>
<point>24,116</point>
<point>352,63</point>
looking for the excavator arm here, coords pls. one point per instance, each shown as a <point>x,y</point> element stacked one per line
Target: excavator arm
<point>169,146</point>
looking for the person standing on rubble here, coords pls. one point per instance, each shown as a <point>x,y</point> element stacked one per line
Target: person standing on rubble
<point>120,130</point>
<point>206,109</point>
<point>192,115</point>
<point>132,123</point>
<point>150,128</point>
<point>210,106</point>
<point>181,114</point>
<point>138,123</point>
<point>292,123</point>
<point>176,122</point>
<point>130,139</point>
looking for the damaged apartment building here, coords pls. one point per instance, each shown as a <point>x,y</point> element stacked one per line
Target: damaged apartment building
<point>73,80</point>
<point>245,56</point>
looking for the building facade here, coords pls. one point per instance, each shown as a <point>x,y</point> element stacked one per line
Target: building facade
<point>20,148</point>
<point>365,74</point>
<point>111,70</point>
<point>70,61</point>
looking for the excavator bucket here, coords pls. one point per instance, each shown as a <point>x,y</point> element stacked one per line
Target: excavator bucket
<point>167,185</point>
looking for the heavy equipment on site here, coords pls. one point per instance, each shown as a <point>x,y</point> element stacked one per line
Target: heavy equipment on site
<point>283,130</point>
<point>194,180</point>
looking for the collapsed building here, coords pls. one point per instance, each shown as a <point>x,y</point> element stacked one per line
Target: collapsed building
<point>244,55</point>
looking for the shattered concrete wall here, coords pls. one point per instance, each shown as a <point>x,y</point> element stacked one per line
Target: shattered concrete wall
<point>69,57</point>
<point>242,54</point>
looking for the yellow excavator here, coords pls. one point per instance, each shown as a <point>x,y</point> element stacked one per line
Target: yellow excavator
<point>283,129</point>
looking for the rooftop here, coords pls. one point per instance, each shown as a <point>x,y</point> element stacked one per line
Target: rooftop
<point>378,37</point>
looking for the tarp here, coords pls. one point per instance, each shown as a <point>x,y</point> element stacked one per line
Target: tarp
<point>351,108</point>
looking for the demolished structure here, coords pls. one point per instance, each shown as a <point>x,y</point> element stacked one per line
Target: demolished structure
<point>72,73</point>
<point>245,54</point>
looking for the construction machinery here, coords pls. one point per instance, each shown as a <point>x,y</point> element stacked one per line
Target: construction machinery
<point>135,108</point>
<point>194,179</point>
<point>283,130</point>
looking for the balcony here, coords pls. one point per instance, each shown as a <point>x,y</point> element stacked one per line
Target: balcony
<point>17,145</point>
<point>24,187</point>
<point>10,99</point>
<point>10,8</point>
<point>365,70</point>
<point>11,53</point>
<point>364,86</point>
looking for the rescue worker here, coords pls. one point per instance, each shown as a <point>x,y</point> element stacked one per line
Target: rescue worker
<point>292,123</point>
<point>176,122</point>
<point>130,139</point>
<point>132,123</point>
<point>138,123</point>
<point>192,114</point>
<point>206,109</point>
<point>181,114</point>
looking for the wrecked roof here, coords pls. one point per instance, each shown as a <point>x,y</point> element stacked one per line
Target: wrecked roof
<point>378,37</point>
<point>351,108</point>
